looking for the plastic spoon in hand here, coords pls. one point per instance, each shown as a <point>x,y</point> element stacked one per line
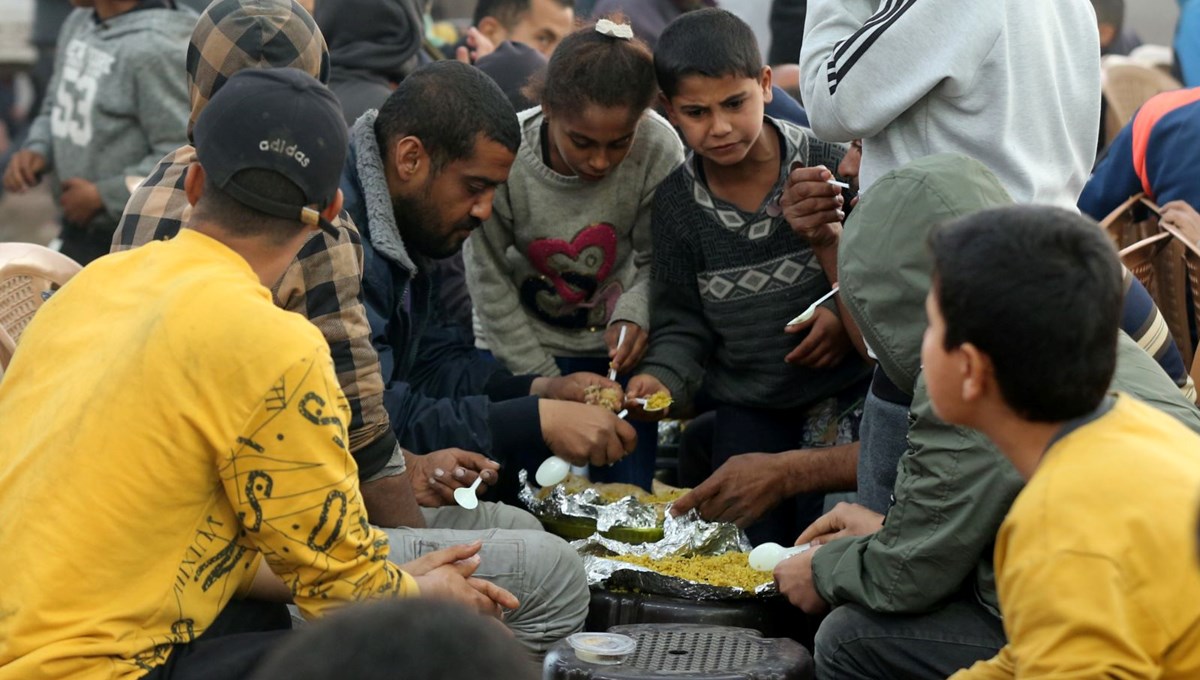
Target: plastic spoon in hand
<point>612,370</point>
<point>812,309</point>
<point>465,496</point>
<point>768,555</point>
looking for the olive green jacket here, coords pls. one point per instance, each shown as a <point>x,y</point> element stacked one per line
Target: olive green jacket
<point>953,487</point>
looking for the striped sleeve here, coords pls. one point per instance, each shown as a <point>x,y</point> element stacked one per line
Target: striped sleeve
<point>866,62</point>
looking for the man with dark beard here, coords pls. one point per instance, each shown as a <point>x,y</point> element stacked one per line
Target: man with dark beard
<point>421,175</point>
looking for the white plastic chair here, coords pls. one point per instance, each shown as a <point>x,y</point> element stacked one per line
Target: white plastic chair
<point>28,274</point>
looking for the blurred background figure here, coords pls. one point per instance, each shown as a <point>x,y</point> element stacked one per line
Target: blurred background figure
<point>787,37</point>
<point>373,45</point>
<point>410,639</point>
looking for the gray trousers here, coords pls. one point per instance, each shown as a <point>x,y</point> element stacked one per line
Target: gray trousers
<point>883,437</point>
<point>540,569</point>
<point>854,643</point>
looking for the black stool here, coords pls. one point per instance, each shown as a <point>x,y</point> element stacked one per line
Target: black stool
<point>689,651</point>
<point>772,617</point>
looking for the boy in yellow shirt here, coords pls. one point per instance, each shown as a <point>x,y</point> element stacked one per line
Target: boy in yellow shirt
<point>166,430</point>
<point>1095,567</point>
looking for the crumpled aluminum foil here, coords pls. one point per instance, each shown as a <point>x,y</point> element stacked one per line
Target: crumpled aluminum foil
<point>627,512</point>
<point>684,536</point>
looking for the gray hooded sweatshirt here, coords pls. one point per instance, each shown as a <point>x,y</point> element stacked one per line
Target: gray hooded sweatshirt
<point>117,101</point>
<point>953,487</point>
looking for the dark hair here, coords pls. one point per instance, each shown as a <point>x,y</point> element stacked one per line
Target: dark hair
<point>415,639</point>
<point>589,66</point>
<point>1110,12</point>
<point>508,12</point>
<point>448,105</point>
<point>710,42</point>
<point>239,219</point>
<point>1039,291</point>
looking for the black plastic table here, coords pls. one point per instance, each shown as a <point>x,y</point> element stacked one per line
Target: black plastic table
<point>690,652</point>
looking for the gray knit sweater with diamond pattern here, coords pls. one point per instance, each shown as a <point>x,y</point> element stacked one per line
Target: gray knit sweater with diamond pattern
<point>725,283</point>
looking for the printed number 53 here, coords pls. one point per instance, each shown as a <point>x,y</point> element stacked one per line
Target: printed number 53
<point>72,116</point>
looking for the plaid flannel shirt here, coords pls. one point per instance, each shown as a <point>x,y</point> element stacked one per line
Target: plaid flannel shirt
<point>323,283</point>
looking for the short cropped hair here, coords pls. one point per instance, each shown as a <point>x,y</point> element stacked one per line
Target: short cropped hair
<point>415,639</point>
<point>508,12</point>
<point>1110,12</point>
<point>448,106</point>
<point>1039,291</point>
<point>220,208</point>
<point>710,42</point>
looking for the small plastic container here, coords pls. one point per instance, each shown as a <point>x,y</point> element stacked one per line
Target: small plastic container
<point>602,649</point>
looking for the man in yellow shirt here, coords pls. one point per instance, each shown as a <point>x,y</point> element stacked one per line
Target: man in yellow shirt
<point>165,430</point>
<point>1095,567</point>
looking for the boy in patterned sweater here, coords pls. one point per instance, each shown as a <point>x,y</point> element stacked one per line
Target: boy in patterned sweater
<point>729,273</point>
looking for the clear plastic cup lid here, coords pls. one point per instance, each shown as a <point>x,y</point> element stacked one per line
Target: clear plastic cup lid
<point>603,644</point>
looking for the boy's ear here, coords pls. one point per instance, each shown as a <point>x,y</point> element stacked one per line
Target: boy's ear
<point>666,106</point>
<point>193,183</point>
<point>978,377</point>
<point>332,210</point>
<point>765,80</point>
<point>493,30</point>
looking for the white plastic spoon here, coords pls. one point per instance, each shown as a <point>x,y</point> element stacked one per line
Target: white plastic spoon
<point>768,555</point>
<point>465,496</point>
<point>552,471</point>
<point>812,309</point>
<point>612,372</point>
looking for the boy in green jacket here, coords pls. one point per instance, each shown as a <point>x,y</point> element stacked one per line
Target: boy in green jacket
<point>915,595</point>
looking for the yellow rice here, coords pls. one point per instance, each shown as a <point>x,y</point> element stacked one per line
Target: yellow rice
<point>658,401</point>
<point>731,570</point>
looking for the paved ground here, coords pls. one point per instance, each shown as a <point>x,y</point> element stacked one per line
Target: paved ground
<point>29,217</point>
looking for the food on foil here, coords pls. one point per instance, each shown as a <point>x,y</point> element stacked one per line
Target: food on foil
<point>608,397</point>
<point>660,494</point>
<point>667,566</point>
<point>730,570</point>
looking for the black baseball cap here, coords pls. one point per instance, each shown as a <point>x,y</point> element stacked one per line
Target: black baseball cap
<point>277,119</point>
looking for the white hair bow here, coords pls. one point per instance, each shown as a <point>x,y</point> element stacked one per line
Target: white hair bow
<point>614,30</point>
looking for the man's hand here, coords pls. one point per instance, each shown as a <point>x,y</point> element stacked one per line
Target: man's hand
<point>570,387</point>
<point>583,434</point>
<point>24,171</point>
<point>630,353</point>
<point>794,579</point>
<point>436,475</point>
<point>447,574</point>
<point>741,491</point>
<point>478,46</point>
<point>80,201</point>
<point>826,344</point>
<point>812,206</point>
<point>846,519</point>
<point>641,387</point>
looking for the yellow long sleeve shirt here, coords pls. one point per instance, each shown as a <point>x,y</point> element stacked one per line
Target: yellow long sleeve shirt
<point>1096,562</point>
<point>162,425</point>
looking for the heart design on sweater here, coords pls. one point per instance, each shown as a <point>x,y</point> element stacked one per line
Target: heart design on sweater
<point>591,255</point>
<point>573,290</point>
<point>542,299</point>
